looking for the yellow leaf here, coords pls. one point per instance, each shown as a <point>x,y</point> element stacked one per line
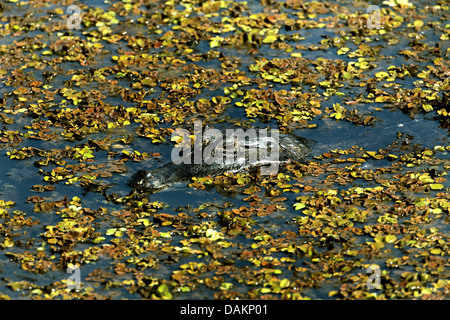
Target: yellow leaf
<point>436,186</point>
<point>270,39</point>
<point>381,74</point>
<point>390,238</point>
<point>418,23</point>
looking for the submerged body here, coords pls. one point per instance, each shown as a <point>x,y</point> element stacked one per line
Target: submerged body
<point>247,155</point>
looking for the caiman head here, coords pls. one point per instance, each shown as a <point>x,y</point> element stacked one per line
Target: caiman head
<point>146,180</point>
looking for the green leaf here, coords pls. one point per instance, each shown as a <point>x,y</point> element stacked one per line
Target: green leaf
<point>299,206</point>
<point>390,238</point>
<point>435,251</point>
<point>215,42</point>
<point>226,286</point>
<point>436,186</point>
<point>418,23</point>
<point>381,74</point>
<point>110,232</point>
<point>270,39</point>
<point>427,107</point>
<point>163,292</point>
<point>284,283</point>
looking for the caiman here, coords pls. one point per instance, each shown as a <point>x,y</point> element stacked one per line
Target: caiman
<point>250,153</point>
